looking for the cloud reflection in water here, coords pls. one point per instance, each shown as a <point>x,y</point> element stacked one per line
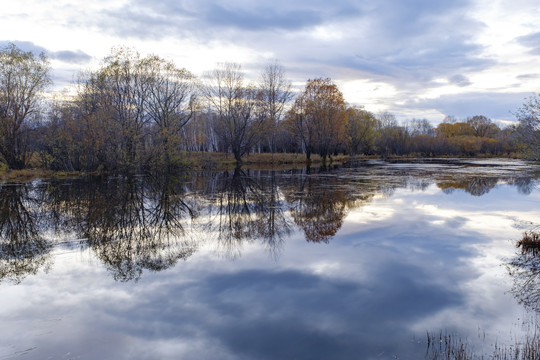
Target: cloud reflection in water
<point>390,260</point>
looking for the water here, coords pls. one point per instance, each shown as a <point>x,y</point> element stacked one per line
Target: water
<point>355,262</point>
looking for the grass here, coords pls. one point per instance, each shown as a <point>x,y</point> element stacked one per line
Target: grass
<point>25,175</point>
<point>214,160</point>
<point>451,347</point>
<point>447,347</point>
<point>529,243</point>
<point>199,160</point>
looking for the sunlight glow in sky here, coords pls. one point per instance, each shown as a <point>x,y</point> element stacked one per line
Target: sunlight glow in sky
<point>421,59</point>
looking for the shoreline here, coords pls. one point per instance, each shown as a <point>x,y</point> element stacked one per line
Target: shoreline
<point>199,161</point>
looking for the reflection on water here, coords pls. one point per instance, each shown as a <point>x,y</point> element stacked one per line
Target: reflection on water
<point>318,208</point>
<point>339,263</point>
<point>149,223</point>
<point>244,207</point>
<point>23,250</point>
<point>476,186</point>
<point>525,271</point>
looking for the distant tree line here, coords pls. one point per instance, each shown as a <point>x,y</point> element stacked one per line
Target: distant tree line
<point>136,113</point>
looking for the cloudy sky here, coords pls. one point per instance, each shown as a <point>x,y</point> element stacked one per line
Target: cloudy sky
<point>414,58</point>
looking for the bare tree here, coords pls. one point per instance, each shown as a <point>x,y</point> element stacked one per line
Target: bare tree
<point>126,84</point>
<point>421,127</point>
<point>529,126</point>
<point>482,126</point>
<point>235,106</point>
<point>275,94</point>
<point>23,77</point>
<point>170,103</point>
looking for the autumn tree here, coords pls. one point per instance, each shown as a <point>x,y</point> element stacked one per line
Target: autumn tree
<point>234,104</point>
<point>23,76</point>
<point>361,131</point>
<point>318,118</point>
<point>126,115</point>
<point>449,130</point>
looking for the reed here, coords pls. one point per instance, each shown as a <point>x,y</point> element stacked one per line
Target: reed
<point>529,243</point>
<point>444,346</point>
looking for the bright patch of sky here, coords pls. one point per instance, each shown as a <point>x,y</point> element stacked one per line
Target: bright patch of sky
<point>416,59</point>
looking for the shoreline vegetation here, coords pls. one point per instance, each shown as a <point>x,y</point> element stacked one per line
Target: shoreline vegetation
<point>193,161</point>
<point>145,114</point>
<point>217,161</point>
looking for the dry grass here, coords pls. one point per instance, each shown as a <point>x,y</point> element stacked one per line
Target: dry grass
<point>287,158</point>
<point>529,243</point>
<point>451,347</point>
<point>25,175</point>
<point>192,160</point>
<point>214,160</point>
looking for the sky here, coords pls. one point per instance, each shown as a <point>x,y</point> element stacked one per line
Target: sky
<point>413,58</point>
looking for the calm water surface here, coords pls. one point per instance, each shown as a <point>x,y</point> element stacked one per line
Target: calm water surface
<point>356,262</point>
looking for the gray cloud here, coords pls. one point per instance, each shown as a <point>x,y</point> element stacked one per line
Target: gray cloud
<point>527,76</point>
<point>460,80</point>
<point>72,57</point>
<point>400,42</point>
<point>68,56</point>
<point>531,41</point>
<point>25,46</point>
<point>405,44</point>
<point>254,16</point>
<point>493,105</point>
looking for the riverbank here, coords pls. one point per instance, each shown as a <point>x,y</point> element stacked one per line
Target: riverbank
<point>224,161</point>
<point>35,173</point>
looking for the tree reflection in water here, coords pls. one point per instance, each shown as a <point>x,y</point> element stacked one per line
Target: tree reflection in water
<point>245,208</point>
<point>525,271</point>
<point>481,185</point>
<point>23,250</point>
<point>525,185</point>
<point>476,185</point>
<point>319,203</point>
<point>147,223</point>
<point>318,210</point>
<point>136,224</point>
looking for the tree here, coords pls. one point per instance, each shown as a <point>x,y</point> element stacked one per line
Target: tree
<point>97,134</point>
<point>318,117</point>
<point>23,76</point>
<point>421,127</point>
<point>529,126</point>
<point>275,94</point>
<point>449,130</point>
<point>393,139</point>
<point>235,108</point>
<point>361,131</point>
<point>170,104</point>
<point>125,82</point>
<point>482,126</point>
